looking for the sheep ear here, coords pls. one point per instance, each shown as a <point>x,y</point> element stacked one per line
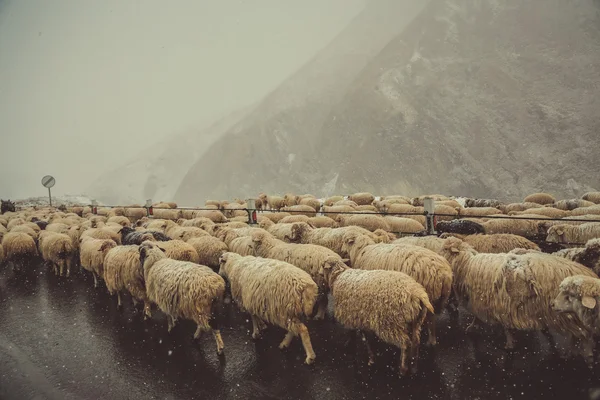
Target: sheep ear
<point>454,250</point>
<point>560,232</point>
<point>588,302</point>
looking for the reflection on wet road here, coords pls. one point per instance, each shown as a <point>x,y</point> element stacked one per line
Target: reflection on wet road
<point>62,339</point>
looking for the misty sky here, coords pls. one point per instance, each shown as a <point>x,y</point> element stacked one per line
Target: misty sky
<point>86,84</point>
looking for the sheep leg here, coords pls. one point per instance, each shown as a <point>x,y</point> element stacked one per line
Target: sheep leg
<point>134,301</point>
<point>287,340</point>
<point>171,323</point>
<point>219,340</point>
<point>256,327</point>
<point>147,310</point>
<point>62,268</point>
<point>310,354</point>
<point>119,304</point>
<point>403,370</point>
<point>367,340</point>
<point>95,280</point>
<point>510,340</point>
<point>431,339</point>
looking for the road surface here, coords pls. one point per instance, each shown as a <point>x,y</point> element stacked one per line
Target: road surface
<point>62,339</point>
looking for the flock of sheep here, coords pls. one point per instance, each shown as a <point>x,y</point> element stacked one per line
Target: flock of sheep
<point>388,280</point>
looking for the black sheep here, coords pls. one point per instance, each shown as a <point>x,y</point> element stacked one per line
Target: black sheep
<point>460,226</point>
<point>7,206</point>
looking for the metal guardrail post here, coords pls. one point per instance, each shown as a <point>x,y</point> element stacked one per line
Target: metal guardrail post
<point>251,210</point>
<point>429,205</point>
<point>148,207</point>
<point>94,207</point>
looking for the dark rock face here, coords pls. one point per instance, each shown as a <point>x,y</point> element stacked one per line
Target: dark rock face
<point>464,97</point>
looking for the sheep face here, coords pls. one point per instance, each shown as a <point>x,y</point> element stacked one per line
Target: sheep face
<point>567,302</point>
<point>556,234</point>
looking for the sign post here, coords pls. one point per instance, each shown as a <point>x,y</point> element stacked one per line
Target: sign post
<point>429,205</point>
<point>48,181</point>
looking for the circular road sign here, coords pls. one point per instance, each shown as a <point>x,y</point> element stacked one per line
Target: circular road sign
<point>48,181</point>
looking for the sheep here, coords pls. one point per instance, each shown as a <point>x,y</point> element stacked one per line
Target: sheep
<point>215,216</point>
<point>404,199</point>
<point>291,219</point>
<point>168,214</point>
<point>307,257</point>
<point>227,234</point>
<point>383,205</point>
<point>579,295</point>
<point>199,222</point>
<point>274,217</point>
<point>483,203</point>
<point>186,233</point>
<point>290,199</point>
<point>183,289</point>
<point>432,243</point>
<point>548,212</point>
<point>420,201</point>
<point>499,243</point>
<point>180,250</point>
<point>521,227</point>
<point>511,290</point>
<point>366,209</point>
<point>331,238</point>
<point>388,304</point>
<point>459,226</point>
<point>571,204</point>
<point>573,234</point>
<point>449,203</point>
<point>242,245</point>
<point>362,199</point>
<point>234,210</point>
<point>209,250</point>
<point>3,222</point>
<point>367,221</point>
<point>215,203</point>
<point>123,272</point>
<point>508,208</point>
<point>19,249</point>
<point>540,198</point>
<point>57,249</point>
<point>288,232</point>
<point>425,266</point>
<point>276,203</point>
<point>25,229</point>
<point>57,227</point>
<point>101,233</point>
<point>129,236</point>
<point>330,201</point>
<point>135,213</point>
<point>594,197</point>
<point>478,211</point>
<point>310,202</point>
<point>91,255</point>
<point>445,213</point>
<point>300,210</point>
<point>7,206</point>
<point>1,250</point>
<point>14,222</point>
<point>123,221</point>
<point>403,225</point>
<point>273,292</point>
<point>588,255</point>
<point>348,203</point>
<point>334,211</point>
<point>582,211</point>
<point>322,221</point>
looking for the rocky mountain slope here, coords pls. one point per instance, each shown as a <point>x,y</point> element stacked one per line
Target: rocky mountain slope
<point>156,172</point>
<point>264,151</point>
<point>472,97</point>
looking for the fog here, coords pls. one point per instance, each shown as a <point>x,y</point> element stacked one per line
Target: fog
<point>86,84</point>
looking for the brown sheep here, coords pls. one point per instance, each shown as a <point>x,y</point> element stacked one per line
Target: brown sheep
<point>426,267</point>
<point>499,243</point>
<point>540,198</point>
<point>368,221</point>
<point>594,197</point>
<point>389,304</point>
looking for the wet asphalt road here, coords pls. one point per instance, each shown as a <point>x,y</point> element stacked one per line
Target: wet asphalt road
<point>62,339</point>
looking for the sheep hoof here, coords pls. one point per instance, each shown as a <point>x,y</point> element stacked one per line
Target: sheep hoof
<point>403,371</point>
<point>371,362</point>
<point>220,352</point>
<point>431,342</point>
<point>310,360</point>
<point>283,346</point>
<point>256,336</point>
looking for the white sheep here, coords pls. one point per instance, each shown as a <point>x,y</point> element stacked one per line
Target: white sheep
<point>274,292</point>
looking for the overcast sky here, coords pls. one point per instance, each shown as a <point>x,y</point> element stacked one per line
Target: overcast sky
<point>85,83</point>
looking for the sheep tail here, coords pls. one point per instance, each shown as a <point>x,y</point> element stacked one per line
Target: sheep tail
<point>446,292</point>
<point>63,253</point>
